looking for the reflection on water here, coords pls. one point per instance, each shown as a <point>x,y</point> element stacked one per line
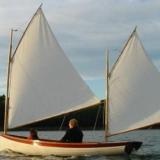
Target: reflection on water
<point>149,151</point>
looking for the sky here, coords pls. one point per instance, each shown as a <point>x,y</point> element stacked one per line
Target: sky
<point>85,29</point>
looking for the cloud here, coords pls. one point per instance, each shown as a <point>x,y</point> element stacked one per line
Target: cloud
<point>157,63</point>
<point>2,84</point>
<point>86,28</point>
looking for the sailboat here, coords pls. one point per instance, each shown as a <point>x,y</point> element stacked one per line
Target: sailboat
<point>42,83</point>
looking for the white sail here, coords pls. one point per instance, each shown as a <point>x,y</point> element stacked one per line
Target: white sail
<point>43,82</point>
<point>134,90</point>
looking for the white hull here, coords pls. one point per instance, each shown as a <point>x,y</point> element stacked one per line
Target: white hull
<point>48,147</point>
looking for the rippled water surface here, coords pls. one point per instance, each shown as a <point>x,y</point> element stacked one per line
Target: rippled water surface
<point>149,151</point>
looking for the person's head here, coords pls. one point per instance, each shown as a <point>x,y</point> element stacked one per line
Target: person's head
<point>73,123</point>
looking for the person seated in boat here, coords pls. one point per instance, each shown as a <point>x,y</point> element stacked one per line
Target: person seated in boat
<point>33,134</point>
<point>74,133</point>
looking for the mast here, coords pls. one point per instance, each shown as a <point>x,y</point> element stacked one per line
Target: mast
<point>8,80</point>
<point>107,97</point>
<point>108,75</point>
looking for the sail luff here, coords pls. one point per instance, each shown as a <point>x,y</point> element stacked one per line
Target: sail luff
<point>39,8</point>
<point>118,59</point>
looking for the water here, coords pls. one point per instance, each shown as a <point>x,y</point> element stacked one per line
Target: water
<point>149,151</point>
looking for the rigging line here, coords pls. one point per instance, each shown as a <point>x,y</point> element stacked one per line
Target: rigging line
<point>96,120</point>
<point>60,128</point>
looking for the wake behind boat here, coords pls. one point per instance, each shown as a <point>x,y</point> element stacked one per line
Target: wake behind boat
<point>39,67</point>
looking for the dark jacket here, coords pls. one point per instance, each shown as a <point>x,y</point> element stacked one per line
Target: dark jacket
<point>73,135</point>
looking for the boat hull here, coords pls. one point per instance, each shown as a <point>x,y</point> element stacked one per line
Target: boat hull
<point>51,147</point>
